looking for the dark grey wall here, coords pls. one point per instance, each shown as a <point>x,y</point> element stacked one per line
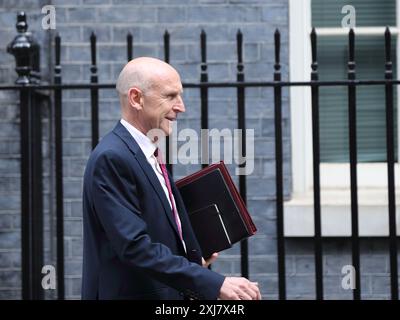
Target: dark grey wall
<point>10,210</point>
<point>147,20</point>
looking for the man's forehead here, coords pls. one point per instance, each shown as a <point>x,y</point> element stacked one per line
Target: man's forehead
<point>168,84</point>
<point>176,86</point>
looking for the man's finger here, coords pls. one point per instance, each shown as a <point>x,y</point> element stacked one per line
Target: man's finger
<point>255,289</point>
<point>251,292</point>
<point>211,259</point>
<point>243,295</point>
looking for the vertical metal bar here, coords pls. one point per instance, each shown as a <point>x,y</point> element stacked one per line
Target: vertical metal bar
<point>278,168</point>
<point>351,75</point>
<point>390,166</point>
<point>26,51</point>
<point>25,197</point>
<point>94,93</point>
<point>59,171</point>
<point>166,59</point>
<point>204,100</point>
<point>244,249</point>
<point>204,103</point>
<point>31,195</point>
<point>129,46</point>
<point>37,196</point>
<point>316,173</point>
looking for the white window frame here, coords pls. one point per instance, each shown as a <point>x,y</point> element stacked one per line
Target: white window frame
<point>334,176</point>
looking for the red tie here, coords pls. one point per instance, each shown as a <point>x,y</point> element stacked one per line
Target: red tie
<point>158,155</point>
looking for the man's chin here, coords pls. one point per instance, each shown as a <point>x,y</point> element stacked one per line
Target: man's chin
<point>167,128</point>
<point>167,131</point>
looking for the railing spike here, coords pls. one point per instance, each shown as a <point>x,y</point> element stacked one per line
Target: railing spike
<point>129,44</point>
<point>388,44</point>
<point>239,42</point>
<point>313,45</point>
<point>166,46</point>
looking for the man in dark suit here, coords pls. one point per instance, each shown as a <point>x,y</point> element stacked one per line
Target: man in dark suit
<point>138,242</point>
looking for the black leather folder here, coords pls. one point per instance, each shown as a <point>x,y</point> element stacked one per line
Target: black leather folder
<point>216,210</point>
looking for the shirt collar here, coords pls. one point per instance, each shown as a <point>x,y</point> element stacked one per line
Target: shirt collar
<point>144,142</point>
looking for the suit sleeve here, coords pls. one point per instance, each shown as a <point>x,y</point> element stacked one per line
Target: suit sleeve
<point>116,205</point>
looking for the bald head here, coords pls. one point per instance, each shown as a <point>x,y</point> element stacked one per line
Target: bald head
<point>141,73</point>
<point>150,93</point>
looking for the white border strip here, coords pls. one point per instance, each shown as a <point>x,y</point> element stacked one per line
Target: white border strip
<point>361,31</point>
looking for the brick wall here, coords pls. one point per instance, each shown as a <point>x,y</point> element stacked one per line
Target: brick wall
<point>147,20</point>
<point>10,193</point>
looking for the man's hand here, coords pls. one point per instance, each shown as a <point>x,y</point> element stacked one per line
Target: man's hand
<point>237,288</point>
<point>210,260</point>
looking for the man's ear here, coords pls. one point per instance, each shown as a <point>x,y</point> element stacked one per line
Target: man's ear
<point>135,98</point>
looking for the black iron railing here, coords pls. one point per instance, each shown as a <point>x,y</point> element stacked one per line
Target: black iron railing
<point>25,50</point>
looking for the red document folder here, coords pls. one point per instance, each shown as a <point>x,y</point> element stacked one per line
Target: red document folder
<point>216,210</point>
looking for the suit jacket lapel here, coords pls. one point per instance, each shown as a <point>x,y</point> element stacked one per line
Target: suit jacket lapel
<point>124,134</point>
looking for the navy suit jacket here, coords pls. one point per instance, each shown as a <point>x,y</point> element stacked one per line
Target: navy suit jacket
<point>132,248</point>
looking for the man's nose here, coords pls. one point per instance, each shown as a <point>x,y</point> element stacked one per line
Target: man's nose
<point>180,106</point>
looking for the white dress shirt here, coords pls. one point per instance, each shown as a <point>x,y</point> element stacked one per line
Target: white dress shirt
<point>148,147</point>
